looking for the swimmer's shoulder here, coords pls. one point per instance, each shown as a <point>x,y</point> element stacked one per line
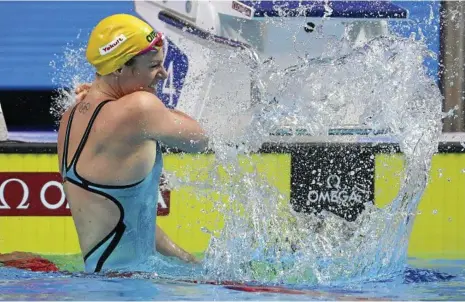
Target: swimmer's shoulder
<point>142,100</point>
<point>139,104</point>
<point>139,109</point>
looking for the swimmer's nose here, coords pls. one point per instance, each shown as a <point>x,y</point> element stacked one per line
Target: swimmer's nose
<point>163,74</point>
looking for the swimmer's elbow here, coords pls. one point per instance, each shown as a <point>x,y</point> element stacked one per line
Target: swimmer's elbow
<point>188,145</point>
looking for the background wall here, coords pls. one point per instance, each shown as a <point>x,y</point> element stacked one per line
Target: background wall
<point>34,35</point>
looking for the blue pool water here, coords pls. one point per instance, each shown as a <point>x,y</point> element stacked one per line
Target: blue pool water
<point>423,280</point>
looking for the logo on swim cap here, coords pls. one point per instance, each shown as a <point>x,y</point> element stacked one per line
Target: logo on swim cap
<point>151,36</point>
<point>112,45</point>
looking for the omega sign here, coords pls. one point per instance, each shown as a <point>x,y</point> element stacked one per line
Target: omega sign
<point>336,178</point>
<point>334,192</point>
<point>41,194</point>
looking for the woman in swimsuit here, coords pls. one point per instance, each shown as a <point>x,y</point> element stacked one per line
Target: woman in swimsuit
<point>109,148</point>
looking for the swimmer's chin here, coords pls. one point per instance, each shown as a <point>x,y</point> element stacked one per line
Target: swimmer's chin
<point>147,89</point>
<point>152,88</point>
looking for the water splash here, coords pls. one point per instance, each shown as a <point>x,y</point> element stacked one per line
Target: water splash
<point>387,81</point>
<point>262,237</point>
<point>68,70</point>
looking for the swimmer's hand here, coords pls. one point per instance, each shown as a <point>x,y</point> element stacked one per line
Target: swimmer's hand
<point>190,258</point>
<point>166,247</point>
<point>81,91</point>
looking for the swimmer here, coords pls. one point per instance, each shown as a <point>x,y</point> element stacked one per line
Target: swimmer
<point>109,148</point>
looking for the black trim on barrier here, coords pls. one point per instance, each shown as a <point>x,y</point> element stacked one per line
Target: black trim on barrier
<point>26,148</point>
<point>51,148</point>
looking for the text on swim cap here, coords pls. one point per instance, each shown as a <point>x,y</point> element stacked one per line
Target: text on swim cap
<point>106,49</point>
<point>151,36</point>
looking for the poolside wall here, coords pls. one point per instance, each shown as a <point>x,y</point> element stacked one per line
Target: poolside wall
<point>42,223</point>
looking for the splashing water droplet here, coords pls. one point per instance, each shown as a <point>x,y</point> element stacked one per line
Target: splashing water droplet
<point>68,70</point>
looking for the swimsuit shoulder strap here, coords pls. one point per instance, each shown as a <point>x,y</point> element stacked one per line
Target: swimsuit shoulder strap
<point>84,138</point>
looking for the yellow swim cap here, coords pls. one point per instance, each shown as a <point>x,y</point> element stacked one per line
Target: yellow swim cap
<point>118,38</point>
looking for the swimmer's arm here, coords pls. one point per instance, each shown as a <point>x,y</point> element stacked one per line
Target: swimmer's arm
<point>166,247</point>
<point>172,128</point>
<point>175,111</point>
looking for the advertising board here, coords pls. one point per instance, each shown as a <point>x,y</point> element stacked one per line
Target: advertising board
<point>335,179</point>
<point>34,215</point>
<point>54,234</point>
<point>41,194</point>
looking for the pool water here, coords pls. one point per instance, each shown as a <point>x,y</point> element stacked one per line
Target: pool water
<point>423,280</point>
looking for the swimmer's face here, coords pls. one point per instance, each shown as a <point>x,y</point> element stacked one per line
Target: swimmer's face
<point>144,73</point>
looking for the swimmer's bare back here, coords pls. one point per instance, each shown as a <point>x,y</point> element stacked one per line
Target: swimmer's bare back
<point>120,149</point>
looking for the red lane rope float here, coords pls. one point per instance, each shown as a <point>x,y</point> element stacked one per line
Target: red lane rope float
<point>28,261</point>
